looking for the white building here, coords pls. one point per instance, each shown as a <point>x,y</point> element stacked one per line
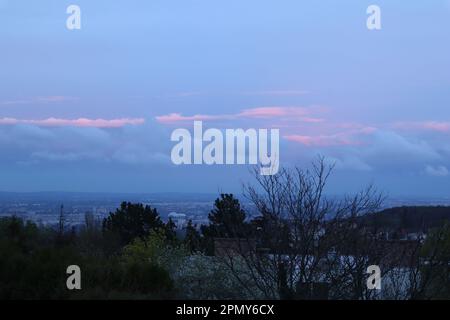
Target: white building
<point>179,219</point>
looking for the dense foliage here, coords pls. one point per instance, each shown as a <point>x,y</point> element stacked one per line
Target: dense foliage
<point>133,254</point>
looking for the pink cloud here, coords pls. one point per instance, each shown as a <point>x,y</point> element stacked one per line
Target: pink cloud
<point>292,113</point>
<point>300,124</point>
<point>357,128</point>
<point>439,126</point>
<point>298,113</point>
<point>348,137</point>
<point>321,141</point>
<point>81,122</point>
<point>178,117</point>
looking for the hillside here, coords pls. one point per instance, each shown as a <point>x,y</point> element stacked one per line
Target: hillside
<point>411,219</point>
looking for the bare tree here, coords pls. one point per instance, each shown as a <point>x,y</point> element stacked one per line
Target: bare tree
<point>302,237</point>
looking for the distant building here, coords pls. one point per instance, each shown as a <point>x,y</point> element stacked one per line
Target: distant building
<point>179,219</point>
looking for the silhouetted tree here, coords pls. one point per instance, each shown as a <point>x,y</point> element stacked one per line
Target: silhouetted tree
<point>227,220</point>
<point>432,273</point>
<point>300,233</point>
<point>131,221</point>
<point>192,238</point>
<point>170,230</point>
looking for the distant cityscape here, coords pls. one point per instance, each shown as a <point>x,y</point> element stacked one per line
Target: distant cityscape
<point>44,208</point>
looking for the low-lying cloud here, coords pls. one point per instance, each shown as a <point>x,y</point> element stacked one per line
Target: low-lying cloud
<point>303,114</point>
<point>80,122</point>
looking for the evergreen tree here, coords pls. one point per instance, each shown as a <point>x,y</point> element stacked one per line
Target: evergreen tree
<point>131,221</point>
<point>227,219</point>
<point>170,230</point>
<point>192,239</point>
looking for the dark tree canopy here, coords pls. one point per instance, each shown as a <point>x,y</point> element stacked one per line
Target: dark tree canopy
<point>131,221</point>
<point>192,239</point>
<point>227,219</point>
<point>170,230</point>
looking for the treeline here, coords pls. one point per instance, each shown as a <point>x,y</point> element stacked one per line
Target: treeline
<point>131,254</point>
<point>34,258</point>
<point>301,246</point>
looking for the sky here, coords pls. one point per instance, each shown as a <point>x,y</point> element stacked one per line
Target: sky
<point>93,109</point>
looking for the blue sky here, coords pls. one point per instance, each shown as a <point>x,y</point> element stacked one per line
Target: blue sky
<point>93,109</point>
